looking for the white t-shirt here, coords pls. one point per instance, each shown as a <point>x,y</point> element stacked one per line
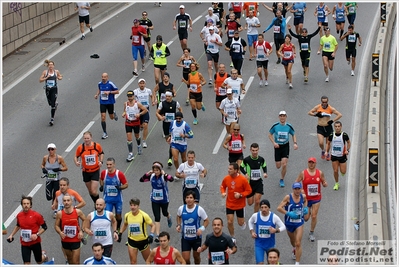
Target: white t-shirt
<point>251,22</point>
<point>235,85</point>
<point>82,11</point>
<point>143,96</point>
<point>213,47</point>
<point>206,33</point>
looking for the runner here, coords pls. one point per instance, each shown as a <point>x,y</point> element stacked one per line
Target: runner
<point>231,111</point>
<point>106,91</point>
<point>262,50</point>
<point>101,226</point>
<point>137,222</point>
<point>158,93</point>
<point>351,7</point>
<point>58,204</point>
<point>195,80</point>
<point>89,157</point>
<point>278,23</point>
<point>324,112</point>
<point>145,97</point>
<point>184,22</point>
<point>112,182</point>
<point>238,189</point>
<point>338,13</point>
<point>52,166</point>
<point>263,226</point>
<point>184,61</point>
<point>159,195</point>
<point>329,45</point>
<point>237,8</point>
<point>237,48</point>
<point>283,7</point>
<point>232,25</point>
<point>165,254</point>
<point>138,45</point>
<point>235,83</point>
<point>159,52</point>
<point>220,245</point>
<point>304,48</point>
<point>191,172</point>
<point>340,144</point>
<point>218,80</point>
<point>294,207</point>
<point>84,17</point>
<point>287,52</point>
<point>32,226</point>
<point>211,16</point>
<point>350,49</point>
<point>251,168</point>
<point>312,179</point>
<point>213,43</point>
<point>98,258</point>
<point>251,25</point>
<point>251,6</point>
<point>299,9</point>
<point>235,143</point>
<point>147,24</point>
<point>221,13</point>
<point>132,112</point>
<point>50,77</point>
<point>205,32</point>
<point>279,136</point>
<point>189,217</point>
<point>68,227</point>
<point>166,113</point>
<point>321,12</point>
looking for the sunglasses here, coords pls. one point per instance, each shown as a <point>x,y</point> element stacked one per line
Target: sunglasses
<point>236,129</point>
<point>51,149</point>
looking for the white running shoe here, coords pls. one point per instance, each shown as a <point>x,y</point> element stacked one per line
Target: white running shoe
<point>130,157</point>
<point>327,79</point>
<point>243,226</point>
<point>260,82</point>
<point>352,73</point>
<point>291,86</point>
<point>265,83</point>
<point>144,144</point>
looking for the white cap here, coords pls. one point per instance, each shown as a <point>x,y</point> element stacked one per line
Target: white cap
<point>211,28</point>
<point>52,145</point>
<point>141,80</point>
<point>229,91</point>
<point>282,112</point>
<point>181,6</point>
<point>168,93</point>
<point>210,8</point>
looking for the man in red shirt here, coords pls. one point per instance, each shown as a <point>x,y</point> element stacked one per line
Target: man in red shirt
<point>237,189</point>
<point>32,225</point>
<point>138,44</point>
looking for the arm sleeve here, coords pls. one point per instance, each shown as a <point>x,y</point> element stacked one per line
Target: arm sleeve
<point>252,221</point>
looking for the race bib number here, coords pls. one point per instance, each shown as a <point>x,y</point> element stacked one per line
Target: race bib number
<point>182,24</point>
<point>351,9</point>
<point>131,116</point>
<point>287,54</point>
<point>298,211</point>
<point>313,189</point>
<point>112,191</point>
<point>26,235</point>
<point>340,15</point>
<point>191,182</point>
<point>231,33</point>
<point>157,194</point>
<point>90,160</point>
<point>351,38</point>
<point>136,39</point>
<point>50,83</point>
<point>282,137</point>
<point>236,145</point>
<point>298,12</point>
<point>255,174</point>
<point>236,48</point>
<point>70,231</point>
<point>186,63</point>
<point>327,46</point>
<point>190,231</point>
<point>320,14</point>
<point>100,233</point>
<point>177,138</point>
<point>251,7</point>
<point>235,90</point>
<point>210,46</point>
<point>134,229</point>
<point>193,87</point>
<point>104,96</point>
<point>158,53</point>
<point>217,258</point>
<point>264,231</point>
<point>260,56</point>
<point>337,148</point>
<point>304,46</point>
<point>169,117</point>
<point>276,29</point>
<point>52,175</point>
<point>222,91</point>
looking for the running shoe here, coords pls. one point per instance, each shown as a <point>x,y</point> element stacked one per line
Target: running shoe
<point>195,122</point>
<point>336,186</point>
<point>156,239</point>
<point>51,123</point>
<point>287,81</point>
<point>176,179</point>
<point>84,240</point>
<point>306,79</point>
<point>293,254</point>
<point>243,226</point>
<point>234,240</point>
<point>311,237</point>
<point>105,135</point>
<point>170,162</point>
<point>278,61</point>
<point>290,86</point>
<point>135,73</point>
<point>187,102</point>
<point>349,62</point>
<point>328,157</point>
<point>83,36</point>
<point>45,257</point>
<point>91,29</point>
<point>142,68</point>
<point>210,82</point>
<point>144,144</point>
<point>203,106</point>
<point>115,116</point>
<point>170,223</point>
<point>260,83</point>
<point>139,150</point>
<point>323,155</point>
<point>327,79</point>
<point>265,83</point>
<point>231,64</point>
<point>282,183</point>
<point>130,157</point>
<point>119,237</point>
<point>352,73</point>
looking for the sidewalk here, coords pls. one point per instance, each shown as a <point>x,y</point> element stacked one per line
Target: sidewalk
<point>36,51</point>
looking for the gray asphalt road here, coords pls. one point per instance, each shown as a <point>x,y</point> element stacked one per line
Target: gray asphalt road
<point>26,130</point>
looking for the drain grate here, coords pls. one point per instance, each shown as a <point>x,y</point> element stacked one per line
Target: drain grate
<point>21,52</point>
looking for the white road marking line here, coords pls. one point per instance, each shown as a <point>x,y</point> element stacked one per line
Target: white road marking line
<point>200,186</point>
<point>79,137</point>
<point>197,18</point>
<point>17,210</point>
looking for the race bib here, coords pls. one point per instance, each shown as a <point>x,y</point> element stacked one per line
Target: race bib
<point>351,9</point>
<point>235,90</point>
<point>190,231</point>
<point>340,15</point>
<point>157,194</point>
<point>210,46</point>
<point>134,229</point>
<point>136,39</point>
<point>112,191</point>
<point>100,233</point>
<point>222,91</point>
<point>177,138</point>
<point>287,54</point>
<point>158,53</point>
<point>231,33</point>
<point>327,46</point>
<point>169,117</point>
<point>264,231</point>
<point>337,148</point>
<point>217,258</point>
<point>90,160</point>
<point>191,182</point>
<point>50,83</point>
<point>70,231</point>
<point>131,116</point>
<point>26,235</point>
<point>276,29</point>
<point>255,174</point>
<point>193,87</point>
<point>104,96</point>
<point>320,14</point>
<point>260,56</point>
<point>352,38</point>
<point>282,137</point>
<point>313,189</point>
<point>182,24</point>
<point>298,211</point>
<point>236,145</point>
<point>51,175</point>
<point>186,63</point>
<point>304,46</point>
<point>298,12</point>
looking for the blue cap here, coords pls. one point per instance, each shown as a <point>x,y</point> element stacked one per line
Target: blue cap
<point>296,185</point>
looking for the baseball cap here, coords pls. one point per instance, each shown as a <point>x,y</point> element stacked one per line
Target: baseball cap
<point>296,185</point>
<point>209,20</point>
<point>211,28</point>
<point>181,6</point>
<point>179,115</point>
<point>229,91</point>
<point>282,112</point>
<point>312,159</point>
<point>135,20</point>
<point>130,93</point>
<point>210,8</point>
<point>141,80</point>
<point>51,145</point>
<point>265,202</point>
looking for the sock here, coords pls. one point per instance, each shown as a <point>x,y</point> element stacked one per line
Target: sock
<point>311,232</point>
<point>94,198</point>
<point>118,224</point>
<point>341,32</point>
<point>170,153</point>
<point>342,174</point>
<point>138,141</point>
<point>130,146</point>
<point>104,126</point>
<point>194,111</point>
<point>337,31</point>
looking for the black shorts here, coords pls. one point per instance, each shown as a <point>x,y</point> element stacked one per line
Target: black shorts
<point>197,194</point>
<point>196,96</point>
<point>107,251</point>
<point>342,159</point>
<point>286,62</point>
<point>105,107</point>
<point>145,118</point>
<point>328,55</point>
<point>91,176</point>
<point>165,127</point>
<point>214,57</point>
<point>161,67</point>
<point>219,98</point>
<point>237,63</point>
<point>233,157</point>
<point>282,152</point>
<point>140,245</point>
<point>183,35</point>
<point>135,129</point>
<point>70,245</point>
<point>147,39</point>
<point>262,64</point>
<point>85,19</point>
<point>305,58</point>
<point>325,24</point>
<point>238,14</point>
<point>325,131</point>
<point>27,250</point>
<point>240,213</point>
<point>257,187</point>
<point>350,53</point>
<point>187,245</point>
<point>278,43</point>
<point>298,21</point>
<point>339,22</point>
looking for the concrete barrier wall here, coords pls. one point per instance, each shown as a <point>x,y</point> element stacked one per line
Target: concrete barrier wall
<point>24,21</point>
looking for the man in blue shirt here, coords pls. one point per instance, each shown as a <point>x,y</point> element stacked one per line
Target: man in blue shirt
<point>98,258</point>
<point>278,23</point>
<point>106,91</point>
<point>298,8</point>
<point>279,136</point>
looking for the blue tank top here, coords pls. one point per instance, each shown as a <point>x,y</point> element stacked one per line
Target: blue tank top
<point>298,209</point>
<point>265,238</point>
<point>191,223</point>
<point>320,13</point>
<point>160,191</point>
<point>340,14</point>
<point>111,193</point>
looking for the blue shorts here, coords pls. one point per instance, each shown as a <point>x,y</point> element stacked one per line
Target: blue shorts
<point>181,148</point>
<point>252,38</point>
<point>109,206</point>
<point>145,117</point>
<point>136,49</point>
<point>260,253</point>
<point>286,62</point>
<point>311,202</point>
<point>292,228</point>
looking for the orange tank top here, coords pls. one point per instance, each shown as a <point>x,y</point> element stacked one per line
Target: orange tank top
<point>327,110</point>
<point>195,83</point>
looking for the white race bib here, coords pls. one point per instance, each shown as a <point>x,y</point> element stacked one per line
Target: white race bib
<point>26,235</point>
<point>90,160</point>
<point>190,231</point>
<point>264,231</point>
<point>217,258</point>
<point>70,231</point>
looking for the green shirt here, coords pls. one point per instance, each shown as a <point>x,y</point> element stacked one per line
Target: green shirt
<point>329,43</point>
<point>351,6</point>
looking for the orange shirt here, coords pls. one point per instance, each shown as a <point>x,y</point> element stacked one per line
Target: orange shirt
<point>237,184</point>
<point>195,82</point>
<point>327,110</point>
<point>89,157</point>
<point>248,6</point>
